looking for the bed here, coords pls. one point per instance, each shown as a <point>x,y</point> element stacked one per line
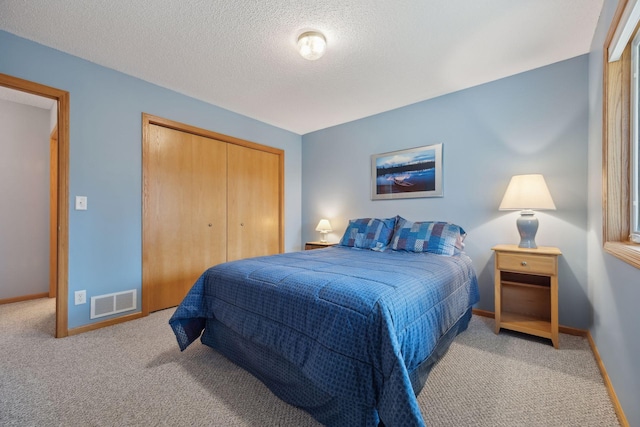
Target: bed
<point>348,333</point>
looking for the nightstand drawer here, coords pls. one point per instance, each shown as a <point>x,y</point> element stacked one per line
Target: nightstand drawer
<point>527,263</point>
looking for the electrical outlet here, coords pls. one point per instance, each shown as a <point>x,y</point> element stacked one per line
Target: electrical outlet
<point>81,297</point>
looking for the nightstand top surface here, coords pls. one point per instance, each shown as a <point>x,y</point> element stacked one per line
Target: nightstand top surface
<point>543,250</point>
<point>322,243</point>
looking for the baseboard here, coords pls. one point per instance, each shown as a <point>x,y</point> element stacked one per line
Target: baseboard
<point>573,331</point>
<point>605,377</point>
<point>607,382</point>
<point>484,313</point>
<point>24,298</point>
<point>104,323</point>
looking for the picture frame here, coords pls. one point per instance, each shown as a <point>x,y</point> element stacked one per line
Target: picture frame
<point>406,174</point>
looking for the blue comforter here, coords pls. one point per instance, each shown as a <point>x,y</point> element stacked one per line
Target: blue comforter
<point>357,323</point>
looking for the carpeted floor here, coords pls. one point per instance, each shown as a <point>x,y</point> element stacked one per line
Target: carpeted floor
<point>134,374</point>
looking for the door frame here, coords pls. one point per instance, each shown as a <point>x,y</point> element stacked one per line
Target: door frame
<point>62,244</point>
<point>53,211</point>
<point>147,121</point>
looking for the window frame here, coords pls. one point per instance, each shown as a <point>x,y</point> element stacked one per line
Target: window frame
<point>616,151</point>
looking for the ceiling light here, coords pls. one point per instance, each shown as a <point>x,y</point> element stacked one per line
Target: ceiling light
<point>312,45</point>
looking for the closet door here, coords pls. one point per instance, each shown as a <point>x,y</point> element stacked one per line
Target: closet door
<point>185,214</point>
<point>254,202</point>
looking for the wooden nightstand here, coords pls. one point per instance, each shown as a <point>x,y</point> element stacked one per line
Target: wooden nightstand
<point>526,290</point>
<point>317,245</point>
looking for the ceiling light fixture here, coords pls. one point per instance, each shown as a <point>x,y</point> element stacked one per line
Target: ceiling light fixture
<point>312,45</point>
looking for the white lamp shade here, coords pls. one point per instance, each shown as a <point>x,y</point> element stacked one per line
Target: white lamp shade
<point>526,192</point>
<point>324,225</point>
<point>312,45</point>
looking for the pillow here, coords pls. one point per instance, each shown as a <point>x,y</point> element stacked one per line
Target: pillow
<point>368,233</point>
<point>435,237</point>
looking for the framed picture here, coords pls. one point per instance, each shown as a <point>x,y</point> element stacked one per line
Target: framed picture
<point>405,174</point>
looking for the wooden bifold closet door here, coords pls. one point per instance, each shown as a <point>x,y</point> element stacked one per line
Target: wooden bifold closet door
<point>185,229</point>
<point>253,202</point>
<point>205,201</point>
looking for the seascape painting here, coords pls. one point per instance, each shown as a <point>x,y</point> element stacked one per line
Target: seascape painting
<point>411,173</point>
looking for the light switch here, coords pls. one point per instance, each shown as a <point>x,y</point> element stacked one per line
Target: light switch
<point>81,203</point>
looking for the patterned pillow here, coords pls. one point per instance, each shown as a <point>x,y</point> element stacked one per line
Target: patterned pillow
<point>435,237</point>
<point>368,233</point>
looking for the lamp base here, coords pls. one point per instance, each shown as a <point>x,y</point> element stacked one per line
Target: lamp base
<point>527,227</point>
<point>323,237</point>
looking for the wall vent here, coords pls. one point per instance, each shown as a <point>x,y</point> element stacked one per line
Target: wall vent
<point>104,305</point>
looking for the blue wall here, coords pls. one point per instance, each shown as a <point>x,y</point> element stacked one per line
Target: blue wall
<point>614,286</point>
<point>105,242</point>
<point>534,122</point>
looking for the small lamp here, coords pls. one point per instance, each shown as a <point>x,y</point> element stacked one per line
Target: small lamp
<point>323,227</point>
<point>527,192</point>
<point>312,45</point>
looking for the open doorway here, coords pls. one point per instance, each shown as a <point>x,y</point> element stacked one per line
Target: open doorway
<point>59,156</point>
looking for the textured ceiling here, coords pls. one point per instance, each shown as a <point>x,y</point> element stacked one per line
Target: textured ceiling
<point>241,54</point>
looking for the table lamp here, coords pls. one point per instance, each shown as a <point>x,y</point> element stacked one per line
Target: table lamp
<point>323,227</point>
<point>526,193</point>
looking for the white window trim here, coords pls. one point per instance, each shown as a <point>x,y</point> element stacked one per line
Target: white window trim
<point>624,29</point>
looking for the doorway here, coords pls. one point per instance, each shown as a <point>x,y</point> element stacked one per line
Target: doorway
<point>59,253</point>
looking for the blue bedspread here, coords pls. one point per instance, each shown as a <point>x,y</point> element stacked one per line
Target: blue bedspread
<point>357,323</point>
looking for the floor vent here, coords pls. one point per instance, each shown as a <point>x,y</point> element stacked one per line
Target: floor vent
<point>104,305</point>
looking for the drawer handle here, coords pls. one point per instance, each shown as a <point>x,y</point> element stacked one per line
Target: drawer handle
<point>523,263</point>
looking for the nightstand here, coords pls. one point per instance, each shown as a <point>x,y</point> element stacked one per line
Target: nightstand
<point>526,290</point>
<point>317,245</point>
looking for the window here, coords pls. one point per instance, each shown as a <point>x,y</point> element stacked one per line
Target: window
<point>620,152</point>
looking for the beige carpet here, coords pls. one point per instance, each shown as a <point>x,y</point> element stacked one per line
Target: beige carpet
<point>133,374</point>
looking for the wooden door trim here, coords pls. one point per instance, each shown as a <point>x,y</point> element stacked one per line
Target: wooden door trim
<point>149,119</point>
<point>171,124</point>
<point>53,212</point>
<point>62,98</point>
